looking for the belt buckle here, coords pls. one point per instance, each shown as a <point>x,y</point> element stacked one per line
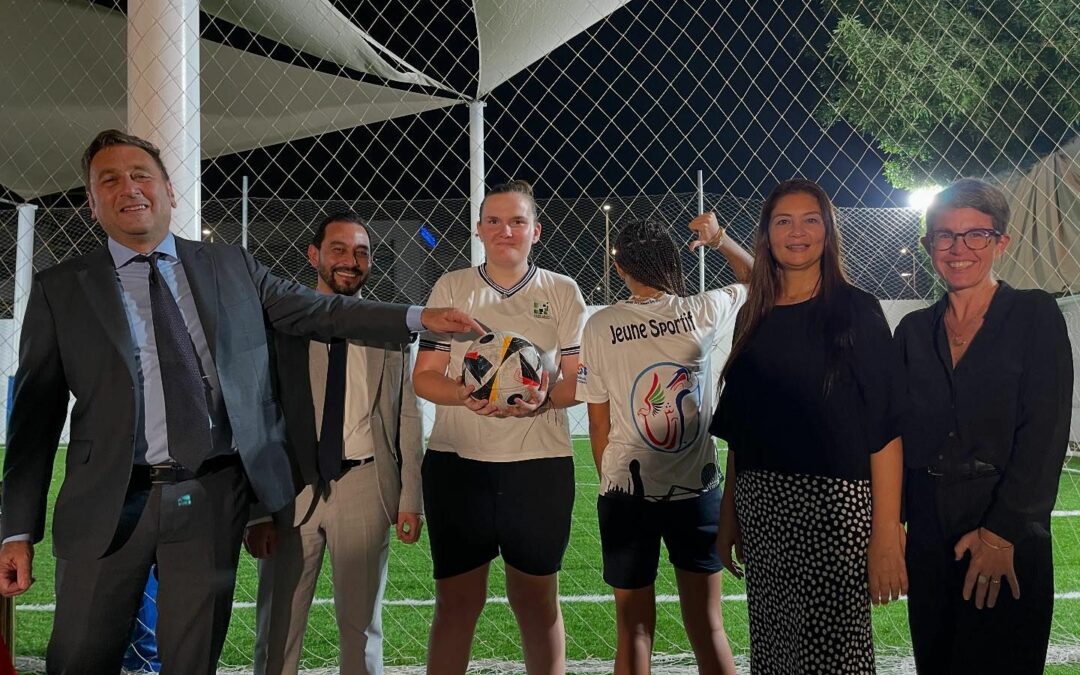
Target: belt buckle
<point>159,475</point>
<point>347,464</point>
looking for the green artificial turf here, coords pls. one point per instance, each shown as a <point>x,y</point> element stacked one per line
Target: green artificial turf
<point>590,622</point>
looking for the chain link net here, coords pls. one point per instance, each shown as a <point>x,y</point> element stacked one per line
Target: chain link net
<point>865,98</point>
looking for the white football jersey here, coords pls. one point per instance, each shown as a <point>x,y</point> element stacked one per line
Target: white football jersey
<point>545,307</point>
<point>652,362</point>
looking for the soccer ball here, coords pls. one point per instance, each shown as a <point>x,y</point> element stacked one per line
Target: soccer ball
<point>501,366</point>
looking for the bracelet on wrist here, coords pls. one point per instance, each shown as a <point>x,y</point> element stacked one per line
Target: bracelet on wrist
<point>989,545</point>
<point>717,239</point>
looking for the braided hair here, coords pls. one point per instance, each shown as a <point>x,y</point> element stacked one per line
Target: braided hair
<point>645,251</point>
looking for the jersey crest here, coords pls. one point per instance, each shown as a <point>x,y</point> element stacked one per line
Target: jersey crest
<point>664,403</point>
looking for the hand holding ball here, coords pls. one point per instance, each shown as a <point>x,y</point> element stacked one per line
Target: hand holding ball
<point>502,367</point>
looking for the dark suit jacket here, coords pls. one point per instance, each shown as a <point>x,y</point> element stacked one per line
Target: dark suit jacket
<point>996,426</point>
<point>394,414</point>
<point>76,339</point>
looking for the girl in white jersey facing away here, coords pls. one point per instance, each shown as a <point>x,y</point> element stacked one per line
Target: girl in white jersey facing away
<point>501,483</point>
<point>645,374</point>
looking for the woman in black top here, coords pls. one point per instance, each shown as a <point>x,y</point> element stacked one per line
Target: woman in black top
<point>989,373</point>
<point>808,416</point>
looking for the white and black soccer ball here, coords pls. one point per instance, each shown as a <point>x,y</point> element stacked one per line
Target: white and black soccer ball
<point>502,366</point>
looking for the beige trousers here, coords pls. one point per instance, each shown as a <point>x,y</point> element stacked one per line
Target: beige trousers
<point>348,520</point>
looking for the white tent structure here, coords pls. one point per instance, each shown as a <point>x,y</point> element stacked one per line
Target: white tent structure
<point>67,78</point>
<point>76,68</point>
<point>1045,227</point>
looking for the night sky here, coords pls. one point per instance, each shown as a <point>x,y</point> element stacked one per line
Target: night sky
<point>625,113</point>
<point>635,105</point>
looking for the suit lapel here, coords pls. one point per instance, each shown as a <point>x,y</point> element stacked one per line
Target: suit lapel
<point>202,278</point>
<point>373,361</point>
<point>98,281</point>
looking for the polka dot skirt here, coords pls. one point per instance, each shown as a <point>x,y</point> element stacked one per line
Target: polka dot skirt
<point>805,540</point>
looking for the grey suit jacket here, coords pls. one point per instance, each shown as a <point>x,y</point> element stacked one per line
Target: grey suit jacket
<point>395,417</point>
<point>76,339</point>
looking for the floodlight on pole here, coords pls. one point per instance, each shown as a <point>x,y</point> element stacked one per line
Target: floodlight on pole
<point>920,198</point>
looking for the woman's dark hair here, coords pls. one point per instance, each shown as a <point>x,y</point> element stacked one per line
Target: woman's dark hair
<point>833,307</point>
<point>518,187</point>
<point>645,251</point>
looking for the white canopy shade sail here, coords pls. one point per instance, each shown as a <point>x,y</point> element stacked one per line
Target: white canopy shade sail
<point>514,34</point>
<point>67,79</point>
<point>318,28</point>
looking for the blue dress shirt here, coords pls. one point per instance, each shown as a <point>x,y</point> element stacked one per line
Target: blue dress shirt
<point>151,445</point>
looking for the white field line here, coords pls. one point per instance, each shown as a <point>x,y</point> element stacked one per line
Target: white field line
<point>1069,469</point>
<point>498,600</point>
<point>888,663</point>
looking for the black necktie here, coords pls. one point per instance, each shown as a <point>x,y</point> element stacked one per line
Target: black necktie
<point>331,439</point>
<point>187,417</point>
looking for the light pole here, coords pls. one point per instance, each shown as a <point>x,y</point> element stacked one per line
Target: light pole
<point>607,253</point>
<point>910,276</point>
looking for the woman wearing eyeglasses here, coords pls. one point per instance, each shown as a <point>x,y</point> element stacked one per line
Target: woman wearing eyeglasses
<point>989,378</point>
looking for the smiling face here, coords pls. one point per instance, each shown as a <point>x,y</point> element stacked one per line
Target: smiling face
<point>508,229</point>
<point>130,197</point>
<point>961,267</point>
<point>343,260</point>
<point>797,231</point>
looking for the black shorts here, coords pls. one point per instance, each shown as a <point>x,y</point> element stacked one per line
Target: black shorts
<point>477,510</point>
<point>631,530</point>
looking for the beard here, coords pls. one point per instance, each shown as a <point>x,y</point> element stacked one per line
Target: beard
<point>340,285</point>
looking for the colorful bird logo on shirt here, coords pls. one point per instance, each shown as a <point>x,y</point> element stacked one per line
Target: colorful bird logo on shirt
<point>664,403</point>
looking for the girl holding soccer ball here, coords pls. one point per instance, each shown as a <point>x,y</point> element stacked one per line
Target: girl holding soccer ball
<point>645,374</point>
<point>498,480</point>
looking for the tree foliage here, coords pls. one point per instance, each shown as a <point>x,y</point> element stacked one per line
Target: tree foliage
<point>950,88</point>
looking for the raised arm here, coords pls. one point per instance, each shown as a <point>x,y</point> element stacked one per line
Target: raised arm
<point>711,235</point>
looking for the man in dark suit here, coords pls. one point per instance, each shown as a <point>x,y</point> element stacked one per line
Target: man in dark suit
<point>357,438</point>
<point>175,428</point>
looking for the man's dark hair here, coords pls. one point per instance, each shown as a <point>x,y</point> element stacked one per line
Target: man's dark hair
<point>646,252</point>
<point>971,193</point>
<point>339,216</point>
<point>111,137</point>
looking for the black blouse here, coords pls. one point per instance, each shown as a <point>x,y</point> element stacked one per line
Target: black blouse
<point>774,412</point>
<point>1006,404</point>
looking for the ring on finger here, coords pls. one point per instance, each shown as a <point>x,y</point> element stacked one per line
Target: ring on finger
<point>983,579</point>
<point>995,581</point>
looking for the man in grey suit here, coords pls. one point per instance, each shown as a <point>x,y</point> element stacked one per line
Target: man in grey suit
<point>360,468</point>
<point>175,428</point>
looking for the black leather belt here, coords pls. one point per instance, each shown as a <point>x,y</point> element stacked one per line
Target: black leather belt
<point>347,464</point>
<point>168,474</point>
<point>964,470</point>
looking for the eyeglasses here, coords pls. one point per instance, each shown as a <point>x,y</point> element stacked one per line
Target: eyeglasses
<point>976,240</point>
